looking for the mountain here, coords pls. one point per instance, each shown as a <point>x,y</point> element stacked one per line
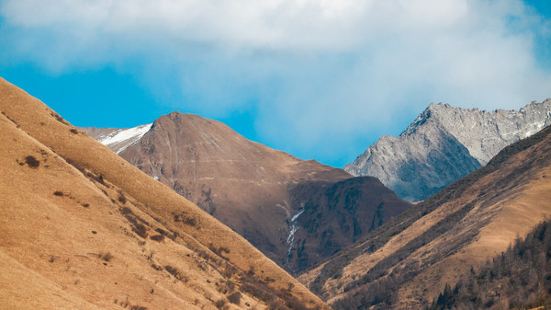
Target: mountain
<point>268,196</point>
<point>519,278</point>
<point>406,262</point>
<point>83,229</point>
<point>445,143</point>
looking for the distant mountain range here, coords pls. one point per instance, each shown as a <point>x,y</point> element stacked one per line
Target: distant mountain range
<point>445,143</point>
<point>407,262</point>
<point>297,212</point>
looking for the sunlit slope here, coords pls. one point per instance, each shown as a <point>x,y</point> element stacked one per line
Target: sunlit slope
<point>82,228</point>
<point>408,261</point>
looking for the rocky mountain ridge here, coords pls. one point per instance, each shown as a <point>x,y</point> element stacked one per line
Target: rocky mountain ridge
<point>445,143</point>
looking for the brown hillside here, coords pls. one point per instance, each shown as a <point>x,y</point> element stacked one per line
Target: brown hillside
<point>519,278</point>
<point>407,262</point>
<point>81,228</point>
<point>260,192</point>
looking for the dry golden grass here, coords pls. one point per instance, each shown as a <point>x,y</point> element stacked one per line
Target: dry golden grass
<point>76,229</point>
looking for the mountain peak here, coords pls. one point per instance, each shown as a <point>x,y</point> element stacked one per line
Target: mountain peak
<point>445,143</point>
<point>272,198</point>
<point>175,115</point>
<point>430,112</point>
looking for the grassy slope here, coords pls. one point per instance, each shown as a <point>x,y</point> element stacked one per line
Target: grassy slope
<point>519,278</point>
<point>90,243</point>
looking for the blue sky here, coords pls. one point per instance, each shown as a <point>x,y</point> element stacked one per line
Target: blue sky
<point>319,79</point>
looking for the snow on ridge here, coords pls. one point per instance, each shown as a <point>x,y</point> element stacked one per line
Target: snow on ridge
<point>124,138</point>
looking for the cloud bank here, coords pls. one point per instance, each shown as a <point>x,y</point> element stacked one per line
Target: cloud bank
<point>324,77</point>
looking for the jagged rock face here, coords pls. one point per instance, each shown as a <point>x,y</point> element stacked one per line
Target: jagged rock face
<point>443,144</point>
<point>248,186</point>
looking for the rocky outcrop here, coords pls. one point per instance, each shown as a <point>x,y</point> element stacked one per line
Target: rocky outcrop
<point>443,144</point>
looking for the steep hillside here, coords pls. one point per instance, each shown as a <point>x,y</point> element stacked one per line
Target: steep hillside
<point>519,278</point>
<point>407,261</point>
<point>83,229</point>
<point>445,143</point>
<point>268,196</point>
<point>337,214</point>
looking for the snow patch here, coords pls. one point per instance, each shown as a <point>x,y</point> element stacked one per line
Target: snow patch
<point>293,228</point>
<point>124,138</point>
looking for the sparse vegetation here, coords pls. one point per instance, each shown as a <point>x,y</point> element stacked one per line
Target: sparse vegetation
<point>176,273</point>
<point>122,199</point>
<point>73,131</point>
<point>126,304</point>
<point>105,256</point>
<point>220,251</point>
<point>11,119</point>
<point>156,267</point>
<point>137,223</point>
<point>32,162</point>
<point>220,303</point>
<point>58,118</point>
<point>59,193</point>
<point>183,218</point>
<point>89,174</point>
<point>157,238</point>
<point>173,235</point>
<point>235,298</point>
<point>519,278</point>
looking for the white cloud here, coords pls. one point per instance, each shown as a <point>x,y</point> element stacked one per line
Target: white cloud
<point>330,73</point>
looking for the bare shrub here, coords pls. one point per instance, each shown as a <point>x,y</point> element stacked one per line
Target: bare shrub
<point>176,273</point>
<point>157,238</point>
<point>136,222</point>
<point>220,251</point>
<point>105,256</point>
<point>235,298</point>
<point>122,199</point>
<point>58,118</point>
<point>184,218</point>
<point>32,162</point>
